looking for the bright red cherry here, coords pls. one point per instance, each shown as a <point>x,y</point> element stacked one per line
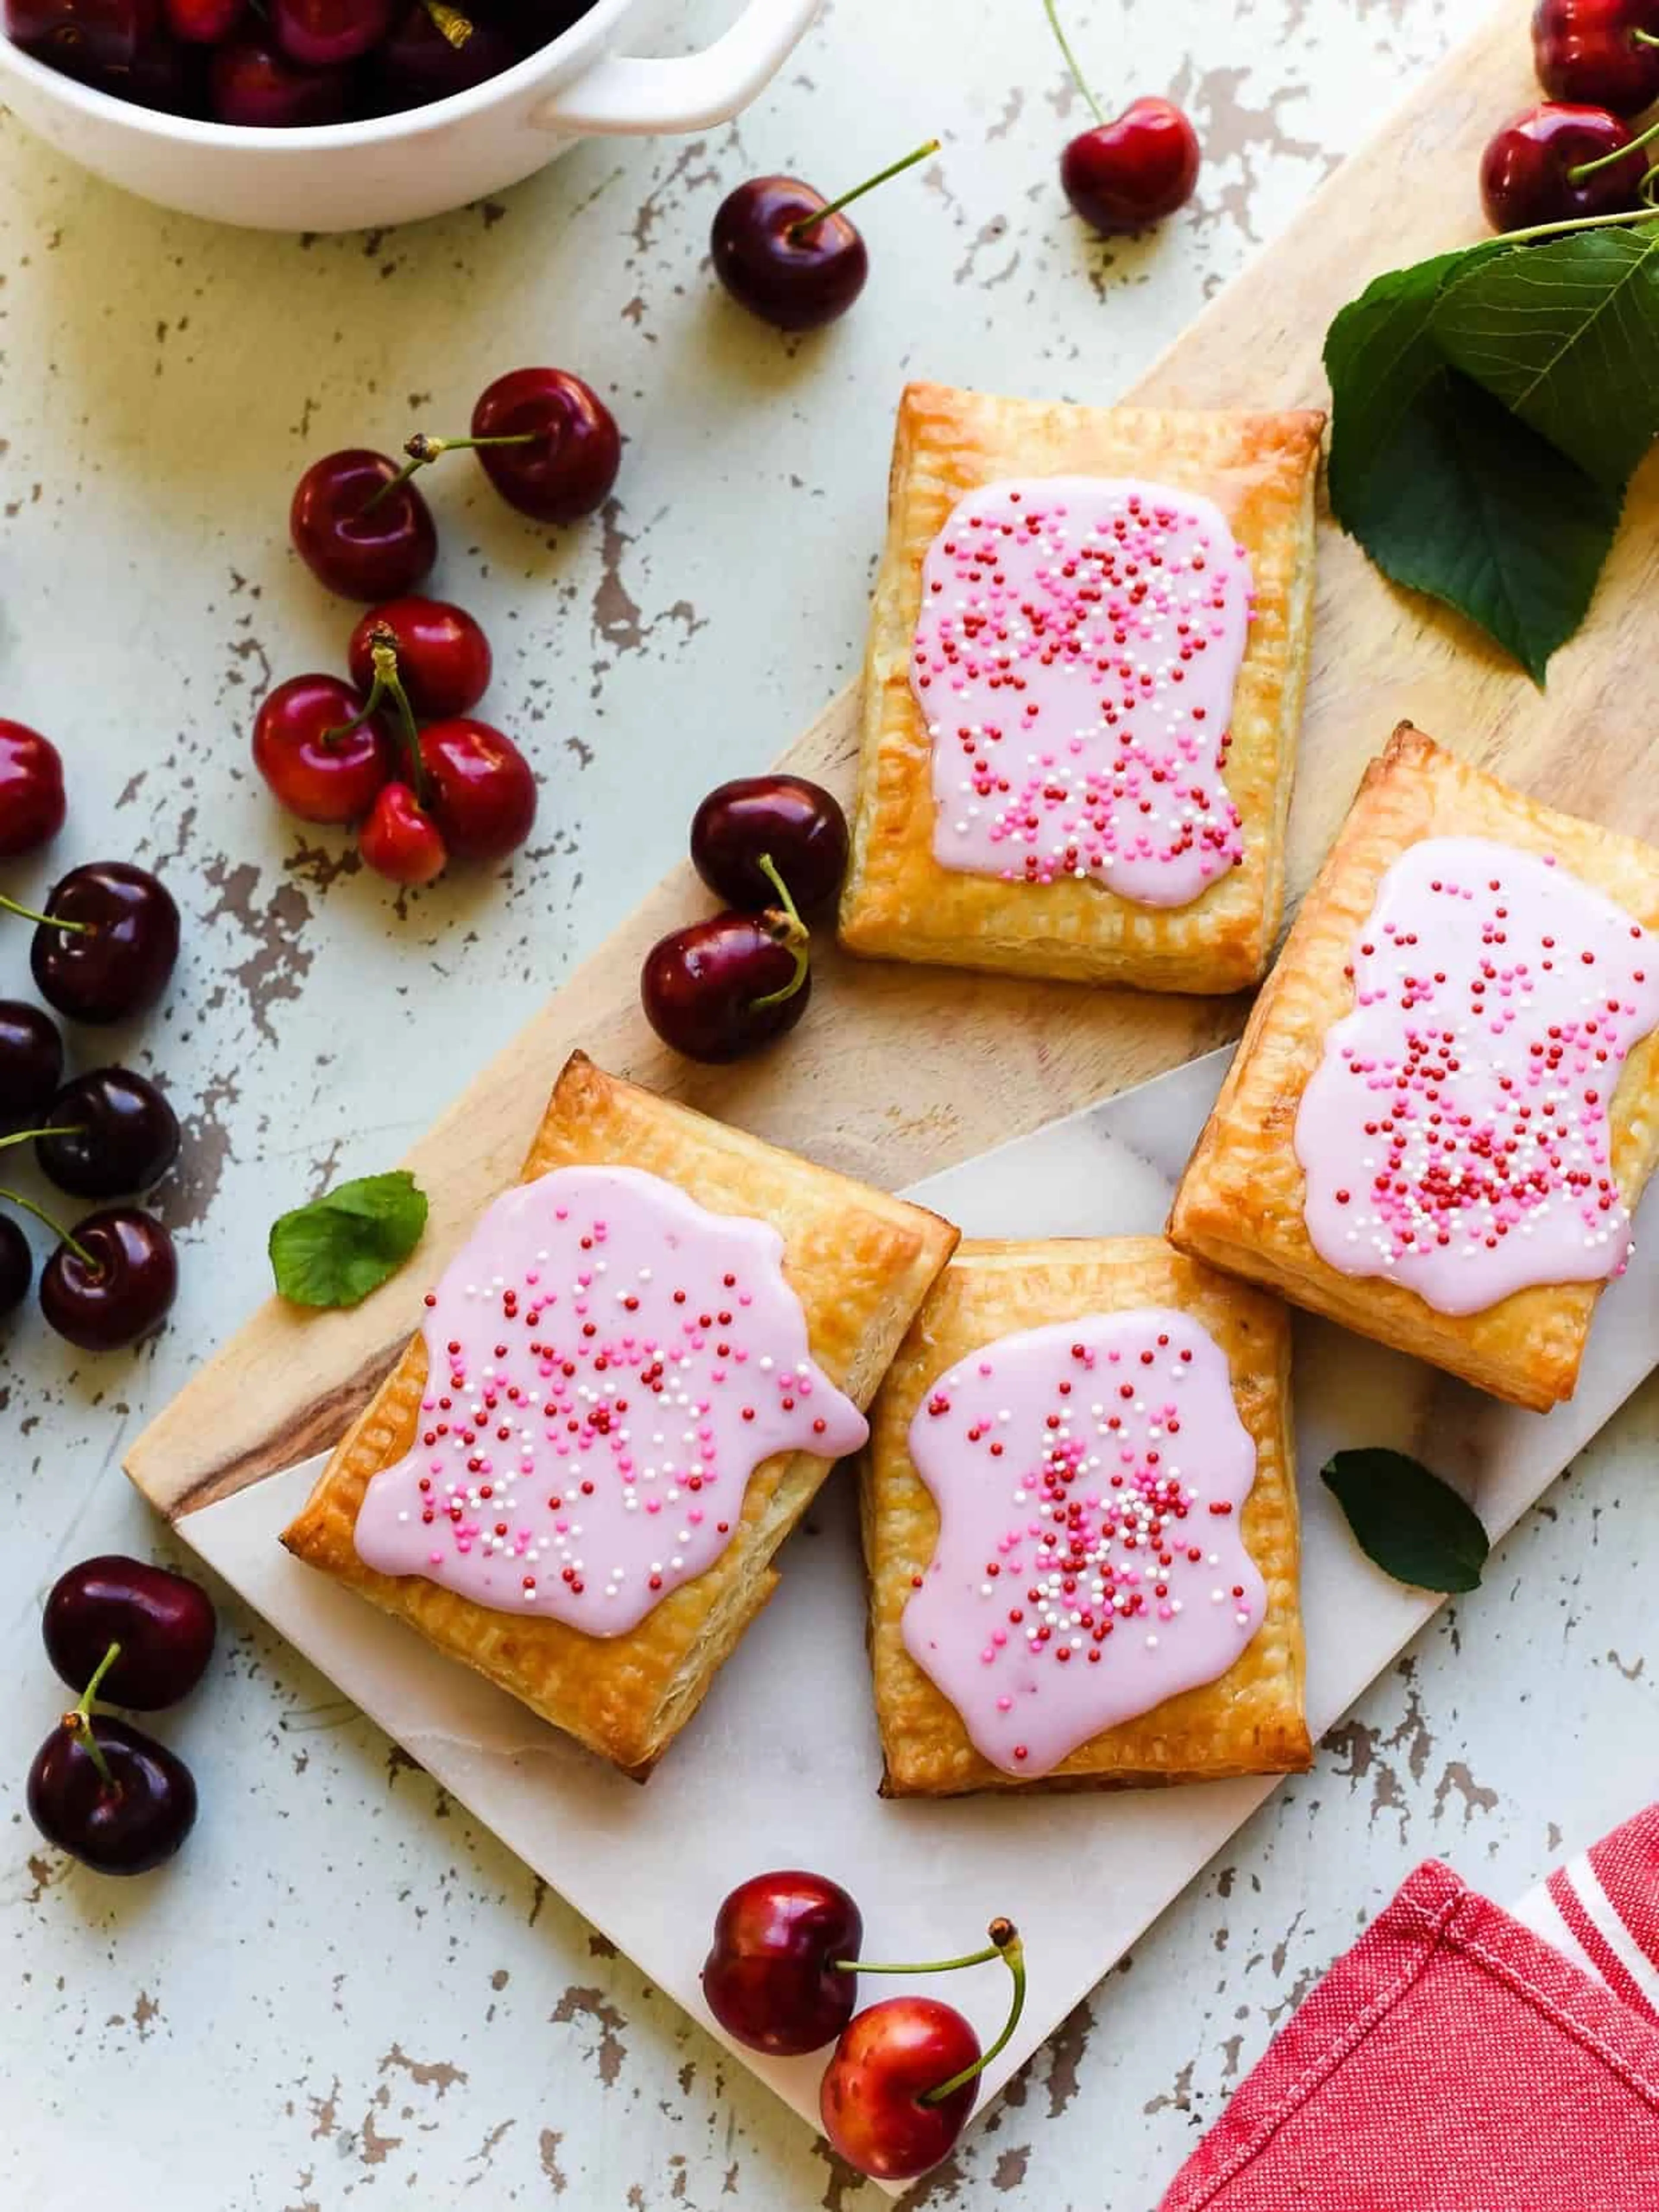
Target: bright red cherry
<point>1598,53</point>
<point>400,840</point>
<point>81,37</point>
<point>361,527</point>
<point>418,62</point>
<point>1133,171</point>
<point>251,82</point>
<point>567,449</point>
<point>443,656</point>
<point>111,1281</point>
<point>1552,163</point>
<point>322,764</point>
<point>481,792</point>
<point>32,802</point>
<point>889,2059</point>
<point>105,944</point>
<point>797,826</point>
<point>722,987</point>
<point>328,33</point>
<point>163,1623</point>
<point>771,1977</point>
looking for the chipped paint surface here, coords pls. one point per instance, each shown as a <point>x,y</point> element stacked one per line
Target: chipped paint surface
<point>350,1995</point>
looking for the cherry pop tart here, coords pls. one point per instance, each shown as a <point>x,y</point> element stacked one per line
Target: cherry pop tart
<point>1446,1104</point>
<point>1087,651</point>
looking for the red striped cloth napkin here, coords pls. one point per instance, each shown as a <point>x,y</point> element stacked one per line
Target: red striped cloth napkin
<point>1461,2058</point>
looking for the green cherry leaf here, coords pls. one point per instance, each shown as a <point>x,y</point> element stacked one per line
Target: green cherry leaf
<point>1566,335</point>
<point>345,1244</point>
<point>1406,1521</point>
<point>1447,490</point>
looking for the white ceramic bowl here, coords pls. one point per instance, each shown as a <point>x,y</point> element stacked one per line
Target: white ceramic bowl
<point>353,176</point>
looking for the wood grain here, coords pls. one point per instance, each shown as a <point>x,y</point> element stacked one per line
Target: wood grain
<point>899,1070</point>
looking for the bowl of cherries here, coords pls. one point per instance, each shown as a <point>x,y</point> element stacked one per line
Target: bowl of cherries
<point>344,114</point>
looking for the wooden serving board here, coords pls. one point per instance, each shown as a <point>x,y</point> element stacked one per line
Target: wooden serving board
<point>899,1071</point>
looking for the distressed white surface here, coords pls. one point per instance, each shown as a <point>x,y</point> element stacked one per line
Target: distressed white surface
<point>348,1995</point>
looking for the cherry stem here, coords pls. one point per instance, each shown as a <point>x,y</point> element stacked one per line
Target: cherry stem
<point>799,228</point>
<point>1583,169</point>
<point>59,1129</point>
<point>81,1718</point>
<point>387,684</point>
<point>1575,223</point>
<point>16,1198</point>
<point>1078,77</point>
<point>47,920</point>
<point>450,22</point>
<point>1005,1938</point>
<point>794,933</point>
<point>918,1966</point>
<point>1643,39</point>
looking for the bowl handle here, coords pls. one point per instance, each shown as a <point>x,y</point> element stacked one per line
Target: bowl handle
<point>692,91</point>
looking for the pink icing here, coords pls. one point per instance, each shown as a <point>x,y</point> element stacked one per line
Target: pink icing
<point>1455,1136</point>
<point>1074,661</point>
<point>608,1362</point>
<point>1089,1477</point>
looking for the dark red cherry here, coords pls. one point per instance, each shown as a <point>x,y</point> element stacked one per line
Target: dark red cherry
<point>254,84</point>
<point>203,22</point>
<point>771,1978</point>
<point>31,804</point>
<point>1550,164</point>
<point>571,452</point>
<point>116,1286</point>
<point>162,74</point>
<point>328,33</point>
<point>16,1265</point>
<point>795,278</point>
<point>799,826</point>
<point>1598,53</point>
<point>108,943</point>
<point>362,545</point>
<point>721,987</point>
<point>443,656</point>
<point>318,767</point>
<point>116,1134</point>
<point>31,1063</point>
<point>872,2098</point>
<point>126,1819</point>
<point>482,794</point>
<point>163,1622</point>
<point>1134,170</point>
<point>81,36</point>
<point>400,840</point>
<point>418,62</point>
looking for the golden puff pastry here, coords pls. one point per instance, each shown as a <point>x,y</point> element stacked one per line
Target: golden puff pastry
<point>899,902</point>
<point>1098,1311</point>
<point>1244,1203</point>
<point>857,1263</point>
